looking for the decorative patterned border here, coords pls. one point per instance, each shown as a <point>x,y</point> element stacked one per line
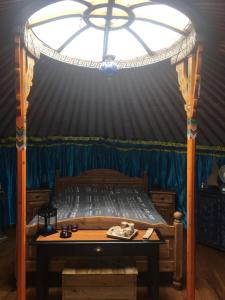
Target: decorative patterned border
<point>192,128</point>
<point>122,145</point>
<point>177,52</point>
<point>21,138</point>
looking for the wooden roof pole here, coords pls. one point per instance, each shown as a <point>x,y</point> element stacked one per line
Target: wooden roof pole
<point>189,82</point>
<point>24,75</point>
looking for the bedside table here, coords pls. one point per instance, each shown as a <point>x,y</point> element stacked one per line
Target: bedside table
<point>164,202</point>
<point>35,199</point>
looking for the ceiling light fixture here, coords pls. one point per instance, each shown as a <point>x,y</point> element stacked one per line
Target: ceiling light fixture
<point>109,66</point>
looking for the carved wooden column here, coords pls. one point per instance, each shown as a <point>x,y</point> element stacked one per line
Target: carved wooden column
<point>189,82</point>
<point>24,74</point>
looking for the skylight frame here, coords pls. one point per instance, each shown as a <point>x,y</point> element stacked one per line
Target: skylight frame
<point>181,48</point>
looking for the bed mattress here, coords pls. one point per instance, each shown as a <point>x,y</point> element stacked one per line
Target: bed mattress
<point>89,201</point>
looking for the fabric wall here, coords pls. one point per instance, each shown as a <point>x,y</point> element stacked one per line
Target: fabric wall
<point>165,164</point>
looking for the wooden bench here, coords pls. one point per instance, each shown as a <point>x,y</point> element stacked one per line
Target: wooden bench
<point>102,280</point>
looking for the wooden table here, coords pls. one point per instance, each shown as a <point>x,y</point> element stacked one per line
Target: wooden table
<point>95,243</point>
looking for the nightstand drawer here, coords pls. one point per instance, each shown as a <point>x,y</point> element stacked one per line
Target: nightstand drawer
<point>164,202</point>
<point>164,205</point>
<point>165,198</point>
<point>36,199</point>
<point>38,195</point>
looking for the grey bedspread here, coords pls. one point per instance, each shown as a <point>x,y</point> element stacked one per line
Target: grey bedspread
<point>126,202</point>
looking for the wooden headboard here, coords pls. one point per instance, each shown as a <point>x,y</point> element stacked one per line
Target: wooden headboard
<point>101,177</point>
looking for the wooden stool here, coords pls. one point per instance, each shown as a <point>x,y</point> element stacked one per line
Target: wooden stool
<point>100,281</point>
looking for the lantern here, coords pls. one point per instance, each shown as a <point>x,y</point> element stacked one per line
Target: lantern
<point>109,66</point>
<point>47,220</point>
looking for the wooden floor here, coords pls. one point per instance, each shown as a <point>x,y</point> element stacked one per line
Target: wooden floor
<point>210,276</point>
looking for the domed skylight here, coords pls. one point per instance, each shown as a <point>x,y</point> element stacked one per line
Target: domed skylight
<point>84,32</point>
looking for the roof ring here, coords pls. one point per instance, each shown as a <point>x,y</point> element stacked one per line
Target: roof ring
<point>84,32</point>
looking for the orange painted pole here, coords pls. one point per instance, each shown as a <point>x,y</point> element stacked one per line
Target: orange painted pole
<point>21,170</point>
<point>21,225</point>
<point>191,232</point>
<point>194,69</point>
<point>189,82</point>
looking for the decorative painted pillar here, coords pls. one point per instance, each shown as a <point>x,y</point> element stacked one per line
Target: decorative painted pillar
<point>189,82</point>
<point>24,74</point>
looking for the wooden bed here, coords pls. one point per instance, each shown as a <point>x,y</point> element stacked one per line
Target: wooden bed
<point>171,253</point>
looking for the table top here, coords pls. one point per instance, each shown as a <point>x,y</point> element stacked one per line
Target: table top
<point>97,235</point>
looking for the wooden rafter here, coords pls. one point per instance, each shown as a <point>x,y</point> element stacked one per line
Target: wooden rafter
<point>24,75</point>
<point>189,82</point>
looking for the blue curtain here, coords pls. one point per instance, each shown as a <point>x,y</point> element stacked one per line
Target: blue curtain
<point>8,183</point>
<point>166,166</point>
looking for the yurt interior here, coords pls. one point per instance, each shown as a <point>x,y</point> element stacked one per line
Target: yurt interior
<point>112,150</point>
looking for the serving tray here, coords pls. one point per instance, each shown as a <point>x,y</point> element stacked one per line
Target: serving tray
<point>110,233</point>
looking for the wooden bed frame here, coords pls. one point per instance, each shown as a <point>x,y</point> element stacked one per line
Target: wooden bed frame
<point>100,177</point>
<point>171,253</point>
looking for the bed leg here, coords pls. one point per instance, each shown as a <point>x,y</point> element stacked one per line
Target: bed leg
<point>178,251</point>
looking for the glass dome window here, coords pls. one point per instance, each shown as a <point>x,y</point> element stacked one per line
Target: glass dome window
<point>85,32</point>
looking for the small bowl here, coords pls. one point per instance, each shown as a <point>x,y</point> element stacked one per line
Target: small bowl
<point>74,228</point>
<point>65,234</point>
